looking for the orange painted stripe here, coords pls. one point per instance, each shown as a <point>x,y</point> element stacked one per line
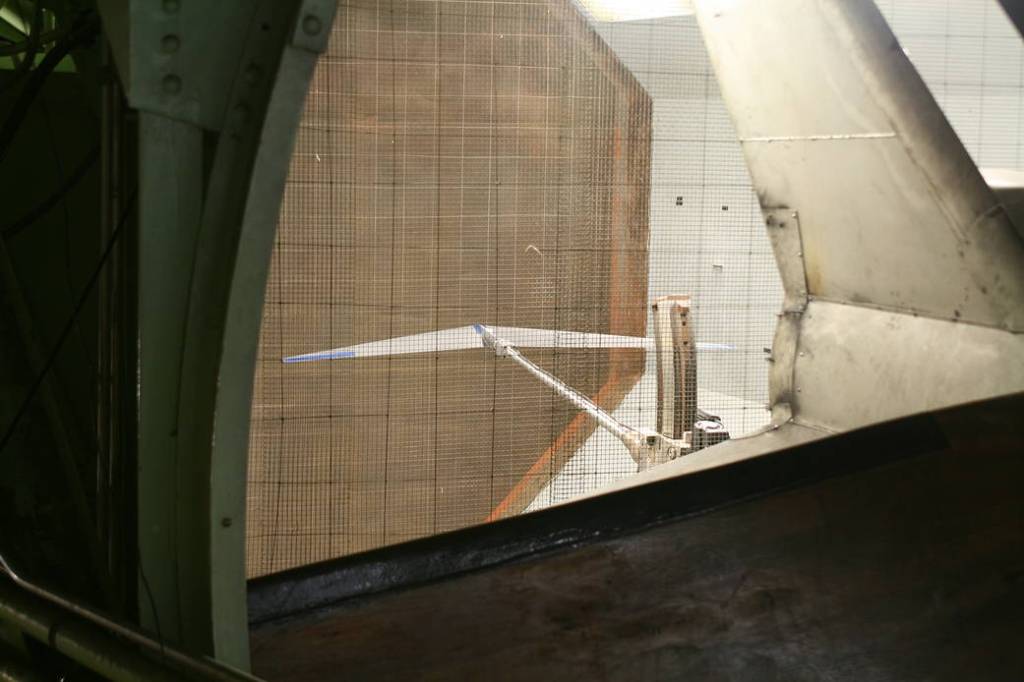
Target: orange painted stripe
<point>564,439</point>
<point>621,319</point>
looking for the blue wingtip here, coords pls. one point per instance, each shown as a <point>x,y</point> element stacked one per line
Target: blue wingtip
<point>479,329</point>
<point>326,355</point>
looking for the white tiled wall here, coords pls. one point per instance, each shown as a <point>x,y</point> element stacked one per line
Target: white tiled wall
<point>972,58</point>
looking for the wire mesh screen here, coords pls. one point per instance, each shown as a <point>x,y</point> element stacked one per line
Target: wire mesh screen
<point>707,241</point>
<point>457,164</point>
<point>523,167</point>
<point>972,59</point>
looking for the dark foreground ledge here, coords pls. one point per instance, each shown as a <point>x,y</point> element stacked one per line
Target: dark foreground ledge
<point>892,552</point>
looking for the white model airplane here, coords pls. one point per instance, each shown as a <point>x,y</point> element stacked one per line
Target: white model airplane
<point>682,428</point>
<point>465,338</point>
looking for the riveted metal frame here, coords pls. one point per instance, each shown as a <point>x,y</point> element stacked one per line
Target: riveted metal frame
<point>883,229</point>
<point>219,109</point>
<point>783,226</point>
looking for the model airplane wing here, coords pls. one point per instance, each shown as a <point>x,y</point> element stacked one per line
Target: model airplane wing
<point>554,338</point>
<point>458,338</point>
<point>463,338</point>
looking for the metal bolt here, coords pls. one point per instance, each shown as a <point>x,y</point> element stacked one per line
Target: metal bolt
<point>171,6</point>
<point>311,25</point>
<point>240,113</point>
<point>226,522</point>
<point>170,43</point>
<point>171,84</point>
<point>253,73</point>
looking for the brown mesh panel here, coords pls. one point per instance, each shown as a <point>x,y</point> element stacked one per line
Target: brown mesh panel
<point>457,163</point>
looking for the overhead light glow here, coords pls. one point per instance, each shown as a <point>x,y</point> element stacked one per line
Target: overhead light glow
<point>633,10</point>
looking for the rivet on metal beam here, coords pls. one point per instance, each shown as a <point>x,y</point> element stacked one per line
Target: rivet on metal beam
<point>311,25</point>
<point>240,114</point>
<point>170,44</point>
<point>253,73</point>
<point>171,84</point>
<point>171,6</point>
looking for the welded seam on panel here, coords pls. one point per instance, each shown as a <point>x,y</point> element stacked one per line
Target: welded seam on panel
<point>783,225</point>
<point>821,138</point>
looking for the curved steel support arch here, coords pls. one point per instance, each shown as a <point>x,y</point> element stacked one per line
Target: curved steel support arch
<point>218,111</point>
<point>229,437</point>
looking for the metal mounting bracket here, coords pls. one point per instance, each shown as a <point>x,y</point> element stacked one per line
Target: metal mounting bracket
<point>783,224</point>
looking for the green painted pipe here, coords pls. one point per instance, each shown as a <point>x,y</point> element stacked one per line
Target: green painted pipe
<point>77,639</point>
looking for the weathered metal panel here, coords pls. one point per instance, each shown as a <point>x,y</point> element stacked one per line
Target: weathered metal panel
<point>891,221</point>
<point>837,125</point>
<point>901,364</point>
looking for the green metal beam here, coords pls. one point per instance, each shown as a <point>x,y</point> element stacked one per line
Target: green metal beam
<point>103,645</point>
<point>170,203</point>
<point>82,642</point>
<point>10,14</point>
<point>218,115</point>
<point>235,242</point>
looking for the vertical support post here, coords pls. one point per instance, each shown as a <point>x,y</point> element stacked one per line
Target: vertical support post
<point>684,362</point>
<point>170,210</point>
<point>676,366</point>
